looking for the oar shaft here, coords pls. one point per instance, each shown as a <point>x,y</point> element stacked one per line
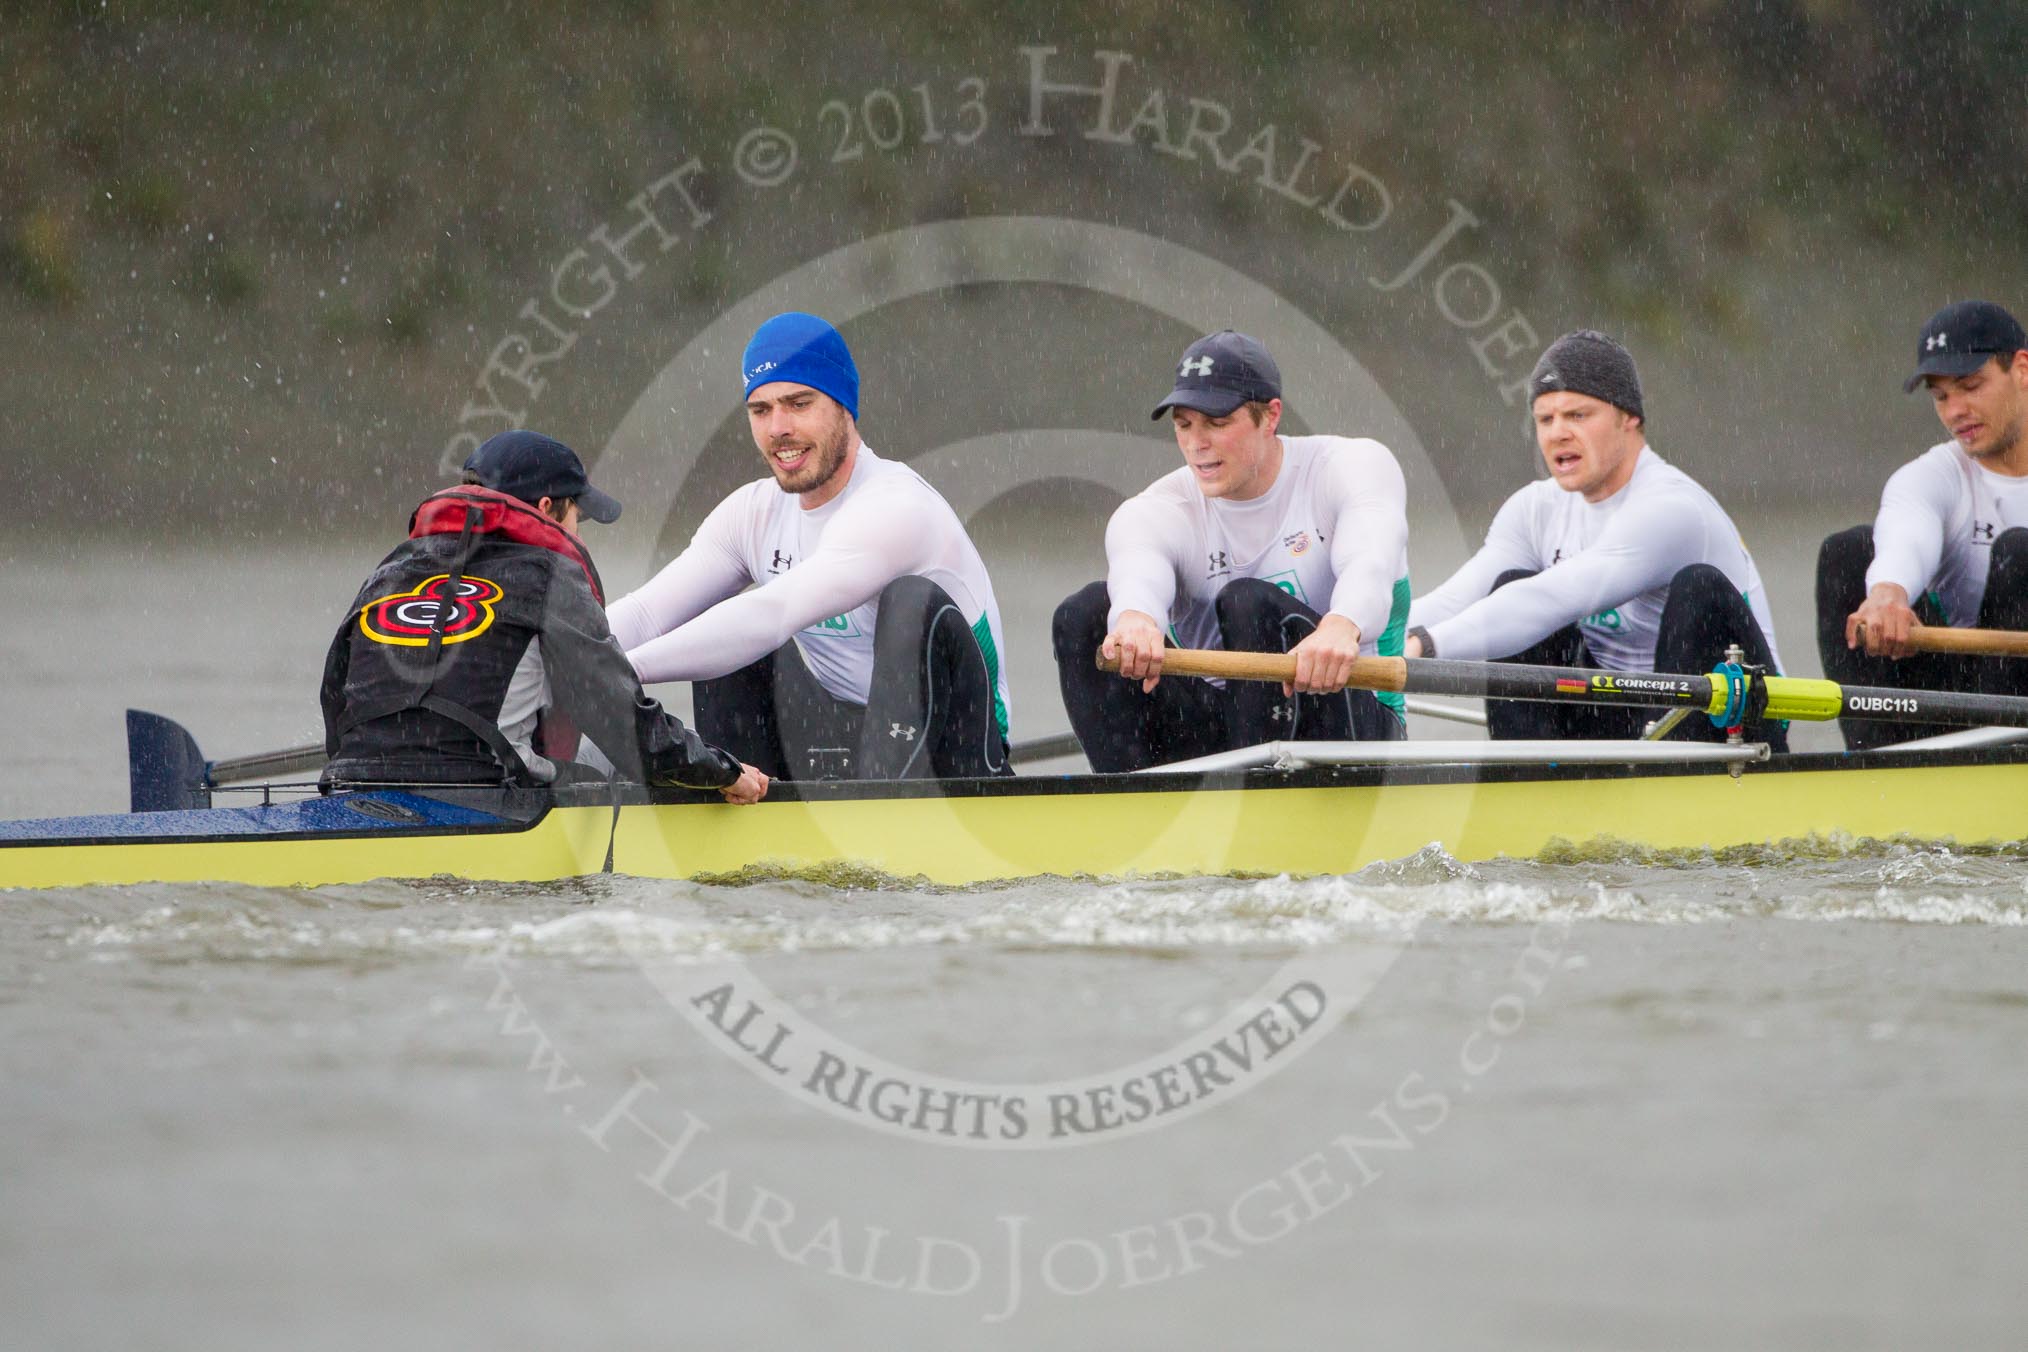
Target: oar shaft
<point>287,761</point>
<point>1437,676</point>
<point>1505,680</point>
<point>1045,748</point>
<point>1886,704</point>
<point>1450,713</point>
<point>1787,696</point>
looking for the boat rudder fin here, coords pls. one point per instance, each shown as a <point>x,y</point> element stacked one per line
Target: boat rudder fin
<point>165,770</point>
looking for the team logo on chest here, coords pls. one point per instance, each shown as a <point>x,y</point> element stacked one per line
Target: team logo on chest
<point>1289,582</point>
<point>406,619</point>
<point>838,626</point>
<point>1296,543</point>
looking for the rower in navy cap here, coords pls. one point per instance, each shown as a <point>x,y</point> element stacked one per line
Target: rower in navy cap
<point>1948,547</point>
<point>1260,542</point>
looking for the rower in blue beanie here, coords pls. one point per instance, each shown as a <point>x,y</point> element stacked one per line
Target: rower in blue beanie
<point>836,619</point>
<point>803,349</point>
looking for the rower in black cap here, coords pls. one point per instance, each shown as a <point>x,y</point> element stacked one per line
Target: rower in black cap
<point>478,652</point>
<point>1618,560</point>
<point>1261,542</point>
<point>1950,544</point>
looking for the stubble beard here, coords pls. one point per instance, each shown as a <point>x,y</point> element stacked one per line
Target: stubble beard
<point>2004,442</point>
<point>826,457</point>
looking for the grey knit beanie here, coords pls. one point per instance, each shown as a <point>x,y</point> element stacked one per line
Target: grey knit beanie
<point>1588,362</point>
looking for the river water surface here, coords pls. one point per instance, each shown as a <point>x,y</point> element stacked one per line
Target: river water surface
<point>1766,1098</point>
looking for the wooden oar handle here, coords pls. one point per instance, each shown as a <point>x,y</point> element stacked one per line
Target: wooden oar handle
<point>1368,673</point>
<point>1926,638</point>
<point>1978,642</point>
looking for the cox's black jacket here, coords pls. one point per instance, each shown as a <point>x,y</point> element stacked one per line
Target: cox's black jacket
<point>415,678</point>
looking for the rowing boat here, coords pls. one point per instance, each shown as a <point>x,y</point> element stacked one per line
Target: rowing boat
<point>1295,808</point>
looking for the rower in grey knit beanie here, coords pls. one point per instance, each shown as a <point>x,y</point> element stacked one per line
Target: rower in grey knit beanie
<point>1588,362</point>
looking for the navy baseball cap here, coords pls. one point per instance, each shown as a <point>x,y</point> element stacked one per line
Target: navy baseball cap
<point>1220,372</point>
<point>530,466</point>
<point>1961,338</point>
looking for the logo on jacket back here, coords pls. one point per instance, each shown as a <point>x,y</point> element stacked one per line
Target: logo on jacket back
<point>407,618</point>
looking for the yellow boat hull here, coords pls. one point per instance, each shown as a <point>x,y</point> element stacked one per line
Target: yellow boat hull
<point>1303,823</point>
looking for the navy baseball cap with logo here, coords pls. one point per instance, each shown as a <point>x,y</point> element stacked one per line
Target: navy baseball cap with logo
<point>530,466</point>
<point>1961,338</point>
<point>1220,372</point>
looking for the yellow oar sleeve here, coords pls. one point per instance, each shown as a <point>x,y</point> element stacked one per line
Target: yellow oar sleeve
<point>1811,701</point>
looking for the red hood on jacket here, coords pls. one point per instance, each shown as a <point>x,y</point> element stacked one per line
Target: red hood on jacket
<point>503,515</point>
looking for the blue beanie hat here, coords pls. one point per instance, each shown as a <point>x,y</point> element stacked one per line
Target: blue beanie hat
<point>804,349</point>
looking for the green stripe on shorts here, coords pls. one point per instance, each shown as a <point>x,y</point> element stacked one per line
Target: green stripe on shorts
<point>983,632</point>
<point>1391,640</point>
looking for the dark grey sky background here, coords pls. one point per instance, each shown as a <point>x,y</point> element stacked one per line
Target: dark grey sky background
<point>261,263</point>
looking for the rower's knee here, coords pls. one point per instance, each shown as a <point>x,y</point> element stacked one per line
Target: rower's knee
<point>1080,623</point>
<point>1703,589</point>
<point>1846,551</point>
<point>2007,581</point>
<point>1700,580</point>
<point>1255,615</point>
<point>910,592</point>
<point>914,612</point>
<point>1245,596</point>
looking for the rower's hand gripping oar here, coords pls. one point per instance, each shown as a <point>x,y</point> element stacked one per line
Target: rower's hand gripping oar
<point>1720,694</point>
<point>1928,638</point>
